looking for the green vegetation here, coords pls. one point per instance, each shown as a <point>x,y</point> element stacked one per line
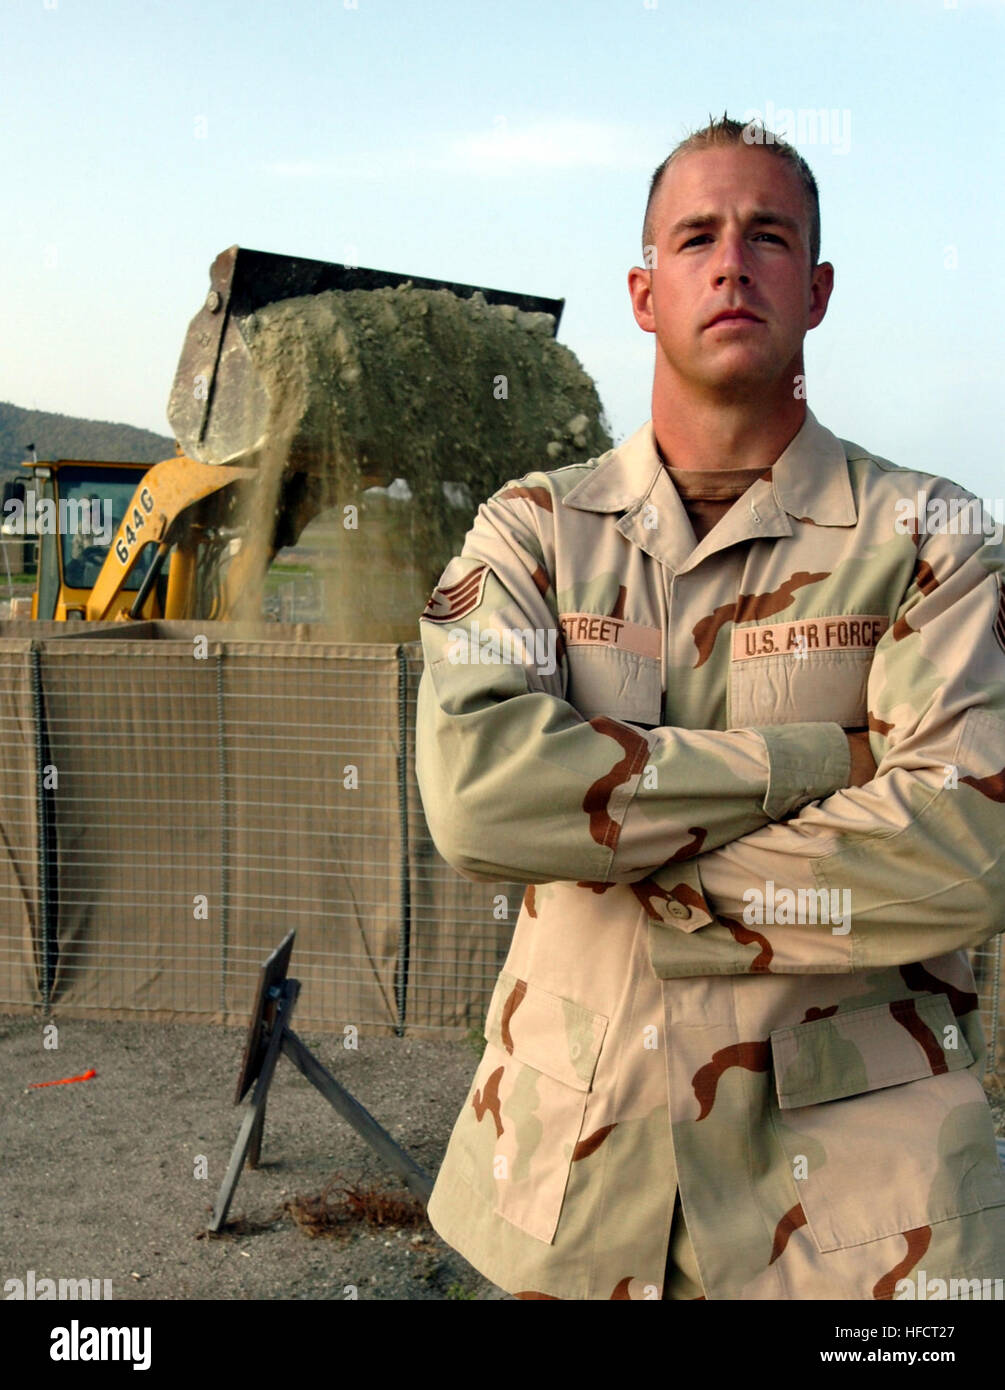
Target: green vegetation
<point>458,1291</point>
<point>277,575</point>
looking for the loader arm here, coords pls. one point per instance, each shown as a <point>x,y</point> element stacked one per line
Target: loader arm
<point>167,491</point>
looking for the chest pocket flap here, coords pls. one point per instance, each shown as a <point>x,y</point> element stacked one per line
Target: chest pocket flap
<point>813,670</point>
<point>615,667</point>
<point>827,687</point>
<point>621,685</point>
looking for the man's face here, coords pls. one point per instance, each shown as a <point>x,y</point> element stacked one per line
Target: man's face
<point>731,232</point>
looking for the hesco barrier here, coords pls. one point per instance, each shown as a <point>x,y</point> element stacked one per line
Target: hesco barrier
<point>176,796</point>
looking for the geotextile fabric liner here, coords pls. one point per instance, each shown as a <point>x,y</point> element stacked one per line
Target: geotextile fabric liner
<point>132,729</point>
<point>22,965</point>
<point>311,754</point>
<point>206,804</point>
<point>27,830</point>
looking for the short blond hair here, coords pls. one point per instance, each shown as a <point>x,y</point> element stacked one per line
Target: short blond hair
<point>726,132</point>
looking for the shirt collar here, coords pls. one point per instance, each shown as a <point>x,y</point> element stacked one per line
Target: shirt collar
<point>809,479</point>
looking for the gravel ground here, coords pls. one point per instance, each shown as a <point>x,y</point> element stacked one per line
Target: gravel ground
<point>99,1177</point>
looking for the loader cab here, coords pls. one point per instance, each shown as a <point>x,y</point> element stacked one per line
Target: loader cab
<point>72,509</point>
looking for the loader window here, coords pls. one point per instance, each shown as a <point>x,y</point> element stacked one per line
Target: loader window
<point>48,573</point>
<point>92,503</point>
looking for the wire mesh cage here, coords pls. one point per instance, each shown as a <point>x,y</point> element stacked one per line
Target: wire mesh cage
<point>175,801</point>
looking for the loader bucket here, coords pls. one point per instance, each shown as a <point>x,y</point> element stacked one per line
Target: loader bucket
<point>219,408</point>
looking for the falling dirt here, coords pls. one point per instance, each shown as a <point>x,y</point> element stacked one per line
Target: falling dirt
<point>454,396</point>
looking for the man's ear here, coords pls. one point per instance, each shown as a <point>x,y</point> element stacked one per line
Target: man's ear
<point>821,287</point>
<point>640,291</point>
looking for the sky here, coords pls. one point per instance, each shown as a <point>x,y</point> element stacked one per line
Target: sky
<point>507,143</point>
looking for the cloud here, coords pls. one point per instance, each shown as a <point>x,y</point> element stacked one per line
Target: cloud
<point>563,144</point>
<point>504,149</point>
<point>296,169</point>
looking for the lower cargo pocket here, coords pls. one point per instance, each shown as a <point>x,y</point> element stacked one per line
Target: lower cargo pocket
<point>882,1124</point>
<point>524,1113</point>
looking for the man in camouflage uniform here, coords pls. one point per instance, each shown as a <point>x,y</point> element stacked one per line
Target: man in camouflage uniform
<point>735,1049</point>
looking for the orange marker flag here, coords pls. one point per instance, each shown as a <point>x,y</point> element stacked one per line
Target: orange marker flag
<point>65,1081</point>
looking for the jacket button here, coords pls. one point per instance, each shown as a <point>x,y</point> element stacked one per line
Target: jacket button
<point>679,910</point>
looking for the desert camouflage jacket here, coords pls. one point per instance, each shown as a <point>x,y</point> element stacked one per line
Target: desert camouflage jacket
<point>731,972</point>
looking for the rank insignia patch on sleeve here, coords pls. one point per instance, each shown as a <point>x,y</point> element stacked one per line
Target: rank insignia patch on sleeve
<point>451,602</point>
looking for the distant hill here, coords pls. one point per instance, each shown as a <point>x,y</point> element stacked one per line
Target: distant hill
<point>66,437</point>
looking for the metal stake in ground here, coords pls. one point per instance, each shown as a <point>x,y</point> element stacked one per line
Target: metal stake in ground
<point>269,1033</point>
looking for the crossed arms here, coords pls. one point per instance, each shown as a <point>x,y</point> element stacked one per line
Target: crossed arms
<point>517,785</point>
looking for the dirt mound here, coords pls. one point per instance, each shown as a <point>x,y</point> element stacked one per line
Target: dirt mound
<point>369,386</point>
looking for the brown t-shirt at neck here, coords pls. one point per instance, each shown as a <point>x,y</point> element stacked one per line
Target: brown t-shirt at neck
<point>708,494</point>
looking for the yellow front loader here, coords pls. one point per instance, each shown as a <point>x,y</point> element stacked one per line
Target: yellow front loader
<point>168,537</point>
